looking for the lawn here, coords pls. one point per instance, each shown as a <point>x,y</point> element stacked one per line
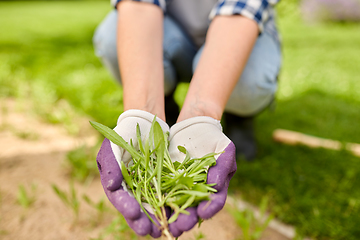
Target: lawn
<point>46,57</point>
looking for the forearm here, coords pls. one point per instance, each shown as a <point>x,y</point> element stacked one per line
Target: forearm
<point>228,45</point>
<point>139,47</point>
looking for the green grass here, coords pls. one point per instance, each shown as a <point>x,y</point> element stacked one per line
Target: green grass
<point>316,190</point>
<point>70,199</point>
<point>318,57</point>
<point>252,228</point>
<point>81,163</point>
<point>47,57</point>
<point>26,198</point>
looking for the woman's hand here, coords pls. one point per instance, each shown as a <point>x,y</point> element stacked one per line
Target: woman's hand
<point>200,136</point>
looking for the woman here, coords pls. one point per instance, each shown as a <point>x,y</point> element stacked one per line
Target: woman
<point>228,50</point>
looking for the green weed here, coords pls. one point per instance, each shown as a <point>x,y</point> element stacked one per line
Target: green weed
<point>118,229</point>
<point>69,199</point>
<point>81,163</point>
<point>26,198</point>
<point>154,179</point>
<point>100,207</point>
<point>199,236</point>
<point>252,227</point>
<point>55,111</point>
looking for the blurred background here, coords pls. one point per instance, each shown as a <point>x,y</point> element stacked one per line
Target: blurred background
<point>50,78</point>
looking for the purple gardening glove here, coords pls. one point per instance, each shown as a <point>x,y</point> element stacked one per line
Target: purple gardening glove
<point>200,136</point>
<point>108,161</point>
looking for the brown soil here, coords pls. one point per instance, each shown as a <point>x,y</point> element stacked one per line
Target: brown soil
<point>33,153</point>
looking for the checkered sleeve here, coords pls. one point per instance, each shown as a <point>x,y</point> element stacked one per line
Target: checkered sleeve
<point>257,10</point>
<point>160,3</point>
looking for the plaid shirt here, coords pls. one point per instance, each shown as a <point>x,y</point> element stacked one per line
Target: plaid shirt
<point>261,11</point>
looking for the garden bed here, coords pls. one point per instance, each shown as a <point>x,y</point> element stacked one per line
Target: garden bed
<point>33,154</point>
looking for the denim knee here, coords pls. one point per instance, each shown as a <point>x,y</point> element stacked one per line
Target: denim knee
<point>254,92</point>
<point>104,41</point>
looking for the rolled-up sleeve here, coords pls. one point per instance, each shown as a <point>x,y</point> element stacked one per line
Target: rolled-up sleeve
<point>257,10</point>
<point>160,3</point>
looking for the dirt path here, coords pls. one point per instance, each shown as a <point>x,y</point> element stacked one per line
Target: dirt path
<point>33,153</point>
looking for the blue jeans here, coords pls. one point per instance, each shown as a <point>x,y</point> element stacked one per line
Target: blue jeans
<point>256,86</point>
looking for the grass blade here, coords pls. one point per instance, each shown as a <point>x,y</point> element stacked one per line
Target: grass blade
<point>126,175</point>
<point>115,138</point>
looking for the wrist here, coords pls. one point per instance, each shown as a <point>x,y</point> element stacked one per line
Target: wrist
<point>200,107</point>
<point>145,116</point>
<point>153,105</point>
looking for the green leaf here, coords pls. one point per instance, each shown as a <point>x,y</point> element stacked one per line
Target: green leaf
<point>172,180</point>
<point>178,200</point>
<point>61,194</point>
<point>186,159</point>
<point>200,221</point>
<point>202,164</point>
<point>138,194</point>
<point>201,177</point>
<point>138,136</point>
<point>176,165</point>
<point>182,149</point>
<point>187,181</point>
<point>200,187</point>
<point>158,134</point>
<point>193,193</point>
<point>189,201</point>
<point>176,209</point>
<point>115,138</point>
<point>88,200</point>
<point>159,141</point>
<point>126,175</point>
<point>23,198</point>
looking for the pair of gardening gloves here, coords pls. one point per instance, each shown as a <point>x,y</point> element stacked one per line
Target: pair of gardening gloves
<point>199,135</point>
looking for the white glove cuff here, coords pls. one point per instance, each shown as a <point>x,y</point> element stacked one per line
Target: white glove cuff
<point>191,121</point>
<point>135,113</point>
